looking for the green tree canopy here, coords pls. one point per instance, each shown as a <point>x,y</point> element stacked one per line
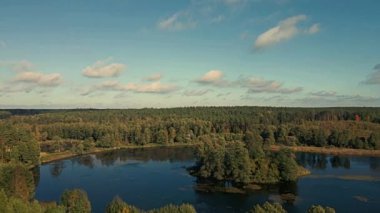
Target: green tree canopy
<point>320,209</point>
<point>268,208</point>
<point>75,201</point>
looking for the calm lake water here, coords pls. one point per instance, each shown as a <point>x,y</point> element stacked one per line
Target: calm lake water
<point>152,177</point>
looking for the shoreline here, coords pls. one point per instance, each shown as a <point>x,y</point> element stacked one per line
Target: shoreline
<point>51,157</point>
<point>327,150</point>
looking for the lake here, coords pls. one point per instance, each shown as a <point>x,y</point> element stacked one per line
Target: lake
<point>152,177</point>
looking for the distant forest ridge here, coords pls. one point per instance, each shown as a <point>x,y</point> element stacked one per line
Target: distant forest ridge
<point>317,111</point>
<point>348,127</point>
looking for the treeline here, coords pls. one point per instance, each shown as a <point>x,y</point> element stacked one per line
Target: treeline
<point>82,130</point>
<point>244,163</point>
<point>277,208</point>
<point>71,201</point>
<point>17,144</point>
<point>16,180</point>
<point>265,115</point>
<point>117,205</point>
<point>76,201</point>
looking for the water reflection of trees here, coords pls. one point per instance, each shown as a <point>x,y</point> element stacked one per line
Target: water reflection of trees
<point>148,154</point>
<point>281,192</point>
<point>36,175</point>
<point>288,187</point>
<point>86,160</point>
<point>320,161</point>
<point>374,163</point>
<point>339,161</point>
<point>288,192</point>
<point>56,168</point>
<point>312,160</point>
<point>109,158</point>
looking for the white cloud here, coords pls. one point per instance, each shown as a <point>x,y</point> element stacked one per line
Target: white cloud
<point>154,77</point>
<point>176,22</point>
<point>348,98</point>
<point>314,101</point>
<point>18,66</point>
<point>244,36</point>
<point>253,84</point>
<point>13,88</point>
<point>357,98</point>
<point>338,100</point>
<point>334,96</point>
<point>217,19</point>
<point>202,12</point>
<point>39,79</point>
<point>259,85</point>
<point>223,94</point>
<point>374,78</point>
<point>234,3</point>
<point>22,66</point>
<point>26,73</point>
<point>324,93</point>
<point>196,92</point>
<point>214,78</point>
<point>315,28</point>
<point>28,78</point>
<point>102,69</point>
<point>154,87</point>
<point>285,30</point>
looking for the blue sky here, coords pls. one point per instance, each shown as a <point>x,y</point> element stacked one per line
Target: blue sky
<point>140,53</point>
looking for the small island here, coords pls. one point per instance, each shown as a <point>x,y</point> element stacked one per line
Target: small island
<point>246,164</point>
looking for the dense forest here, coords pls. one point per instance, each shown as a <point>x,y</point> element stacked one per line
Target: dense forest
<point>277,208</point>
<point>76,201</point>
<point>82,130</point>
<point>244,163</point>
<point>230,139</point>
